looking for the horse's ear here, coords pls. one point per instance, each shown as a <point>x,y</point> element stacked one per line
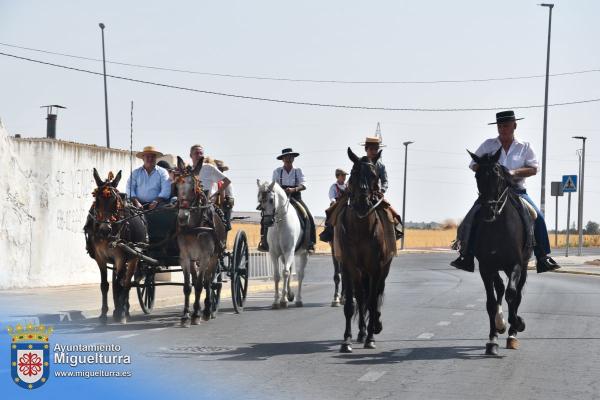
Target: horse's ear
<point>99,181</point>
<point>496,155</point>
<point>353,157</point>
<point>180,163</point>
<point>115,182</point>
<point>272,185</point>
<point>198,166</point>
<point>257,182</point>
<point>474,157</point>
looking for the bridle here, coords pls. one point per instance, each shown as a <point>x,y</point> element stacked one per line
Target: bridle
<point>107,191</point>
<point>200,201</point>
<point>497,206</point>
<point>278,212</point>
<point>372,206</point>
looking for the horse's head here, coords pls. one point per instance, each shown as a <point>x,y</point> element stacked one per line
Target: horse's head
<point>189,189</point>
<point>107,202</point>
<point>267,201</point>
<point>363,182</point>
<point>493,181</point>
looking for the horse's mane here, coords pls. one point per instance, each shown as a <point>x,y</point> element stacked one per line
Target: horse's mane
<point>486,159</point>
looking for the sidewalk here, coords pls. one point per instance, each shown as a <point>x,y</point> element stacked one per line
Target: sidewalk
<point>75,303</point>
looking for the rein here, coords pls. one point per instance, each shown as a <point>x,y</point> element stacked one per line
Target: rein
<point>494,205</point>
<point>371,209</point>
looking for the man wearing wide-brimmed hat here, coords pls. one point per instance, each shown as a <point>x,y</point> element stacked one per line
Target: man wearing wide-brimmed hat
<point>149,185</point>
<point>520,159</point>
<point>225,200</point>
<point>292,180</point>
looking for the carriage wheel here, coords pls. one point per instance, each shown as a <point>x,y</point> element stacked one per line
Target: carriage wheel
<point>146,291</point>
<point>215,294</point>
<point>240,271</point>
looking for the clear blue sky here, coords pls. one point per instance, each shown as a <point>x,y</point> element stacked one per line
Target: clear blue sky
<point>333,40</point>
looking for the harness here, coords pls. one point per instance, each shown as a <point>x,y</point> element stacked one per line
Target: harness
<point>497,206</point>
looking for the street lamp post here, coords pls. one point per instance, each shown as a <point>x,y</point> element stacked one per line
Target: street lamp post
<point>404,194</point>
<point>543,195</point>
<point>580,202</point>
<point>105,91</point>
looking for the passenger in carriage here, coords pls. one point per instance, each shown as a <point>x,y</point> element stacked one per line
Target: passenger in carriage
<point>209,174</point>
<point>225,200</point>
<point>519,158</point>
<point>149,185</point>
<point>292,180</point>
<point>372,145</point>
<point>165,164</point>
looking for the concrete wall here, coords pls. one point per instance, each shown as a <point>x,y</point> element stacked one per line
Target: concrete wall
<point>45,193</point>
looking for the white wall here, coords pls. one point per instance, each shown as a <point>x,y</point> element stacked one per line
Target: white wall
<point>45,193</point>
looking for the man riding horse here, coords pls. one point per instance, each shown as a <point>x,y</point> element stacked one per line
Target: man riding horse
<point>520,159</point>
<point>292,181</point>
<point>372,145</point>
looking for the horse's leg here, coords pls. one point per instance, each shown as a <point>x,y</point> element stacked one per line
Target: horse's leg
<point>131,266</point>
<point>197,283</point>
<point>513,298</point>
<point>276,278</point>
<point>302,259</point>
<point>336,280</point>
<point>360,294</point>
<point>118,289</point>
<point>499,319</point>
<point>491,348</point>
<point>208,278</point>
<point>186,263</point>
<point>286,272</point>
<point>346,346</point>
<point>104,290</point>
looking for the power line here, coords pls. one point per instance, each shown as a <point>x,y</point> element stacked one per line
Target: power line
<point>283,79</point>
<point>294,102</point>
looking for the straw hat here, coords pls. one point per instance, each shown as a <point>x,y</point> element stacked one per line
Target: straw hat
<point>372,140</point>
<point>209,160</point>
<point>149,150</point>
<point>221,165</point>
<point>340,171</point>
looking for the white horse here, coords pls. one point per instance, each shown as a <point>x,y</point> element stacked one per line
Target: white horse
<point>285,239</point>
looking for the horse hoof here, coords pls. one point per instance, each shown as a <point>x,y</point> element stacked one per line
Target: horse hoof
<point>213,315</point>
<point>205,317</point>
<point>123,320</point>
<point>275,306</point>
<point>103,319</point>
<point>195,320</point>
<point>185,323</point>
<point>370,344</point>
<point>346,348</point>
<point>520,324</point>
<point>491,349</point>
<point>501,330</point>
<point>299,304</point>
<point>361,338</point>
<point>377,327</point>
<point>116,316</point>
<point>335,303</point>
<point>291,296</point>
<point>283,305</point>
<point>512,343</point>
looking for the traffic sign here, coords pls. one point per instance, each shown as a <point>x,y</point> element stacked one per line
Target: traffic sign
<point>569,183</point>
<point>556,188</point>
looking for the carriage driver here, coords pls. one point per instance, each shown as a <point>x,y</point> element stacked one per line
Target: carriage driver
<point>518,157</point>
<point>292,181</point>
<point>149,185</point>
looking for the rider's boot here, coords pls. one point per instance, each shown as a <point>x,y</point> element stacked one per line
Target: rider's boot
<point>310,248</point>
<point>398,231</point>
<point>546,263</point>
<point>263,245</point>
<point>466,262</point>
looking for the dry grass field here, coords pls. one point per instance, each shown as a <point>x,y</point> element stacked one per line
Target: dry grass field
<point>414,239</point>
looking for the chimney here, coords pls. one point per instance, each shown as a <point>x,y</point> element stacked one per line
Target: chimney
<point>51,118</point>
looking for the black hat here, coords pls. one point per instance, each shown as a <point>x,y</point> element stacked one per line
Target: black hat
<point>164,164</point>
<point>505,116</point>
<point>287,152</point>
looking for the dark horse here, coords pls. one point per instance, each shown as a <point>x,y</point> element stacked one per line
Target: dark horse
<point>112,219</point>
<point>501,245</point>
<point>365,249</point>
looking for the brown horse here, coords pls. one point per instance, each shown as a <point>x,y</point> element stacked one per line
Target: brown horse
<point>112,219</point>
<point>365,249</point>
<point>201,238</point>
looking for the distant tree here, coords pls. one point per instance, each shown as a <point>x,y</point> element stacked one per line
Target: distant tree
<point>592,228</point>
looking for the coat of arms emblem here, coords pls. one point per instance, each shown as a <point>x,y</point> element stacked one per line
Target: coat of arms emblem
<point>30,355</point>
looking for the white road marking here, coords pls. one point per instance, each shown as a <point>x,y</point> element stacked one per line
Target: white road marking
<point>470,305</point>
<point>403,352</point>
<point>443,323</point>
<point>426,335</point>
<point>157,329</point>
<point>371,376</point>
<point>127,336</point>
<point>458,314</point>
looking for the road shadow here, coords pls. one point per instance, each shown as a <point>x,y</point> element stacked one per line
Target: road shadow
<point>373,357</point>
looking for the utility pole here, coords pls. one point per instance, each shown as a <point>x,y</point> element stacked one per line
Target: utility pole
<point>101,25</point>
<point>543,195</point>
<point>404,194</point>
<point>580,197</point>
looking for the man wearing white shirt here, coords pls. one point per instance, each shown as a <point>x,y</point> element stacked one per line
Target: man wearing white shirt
<point>209,174</point>
<point>520,159</point>
<point>292,180</point>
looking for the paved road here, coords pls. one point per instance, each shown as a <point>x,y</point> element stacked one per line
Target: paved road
<point>431,347</point>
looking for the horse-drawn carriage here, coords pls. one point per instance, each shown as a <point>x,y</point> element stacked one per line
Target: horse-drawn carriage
<point>141,244</point>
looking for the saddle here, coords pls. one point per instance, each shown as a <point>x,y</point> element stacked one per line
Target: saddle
<point>528,216</point>
<point>304,223</point>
